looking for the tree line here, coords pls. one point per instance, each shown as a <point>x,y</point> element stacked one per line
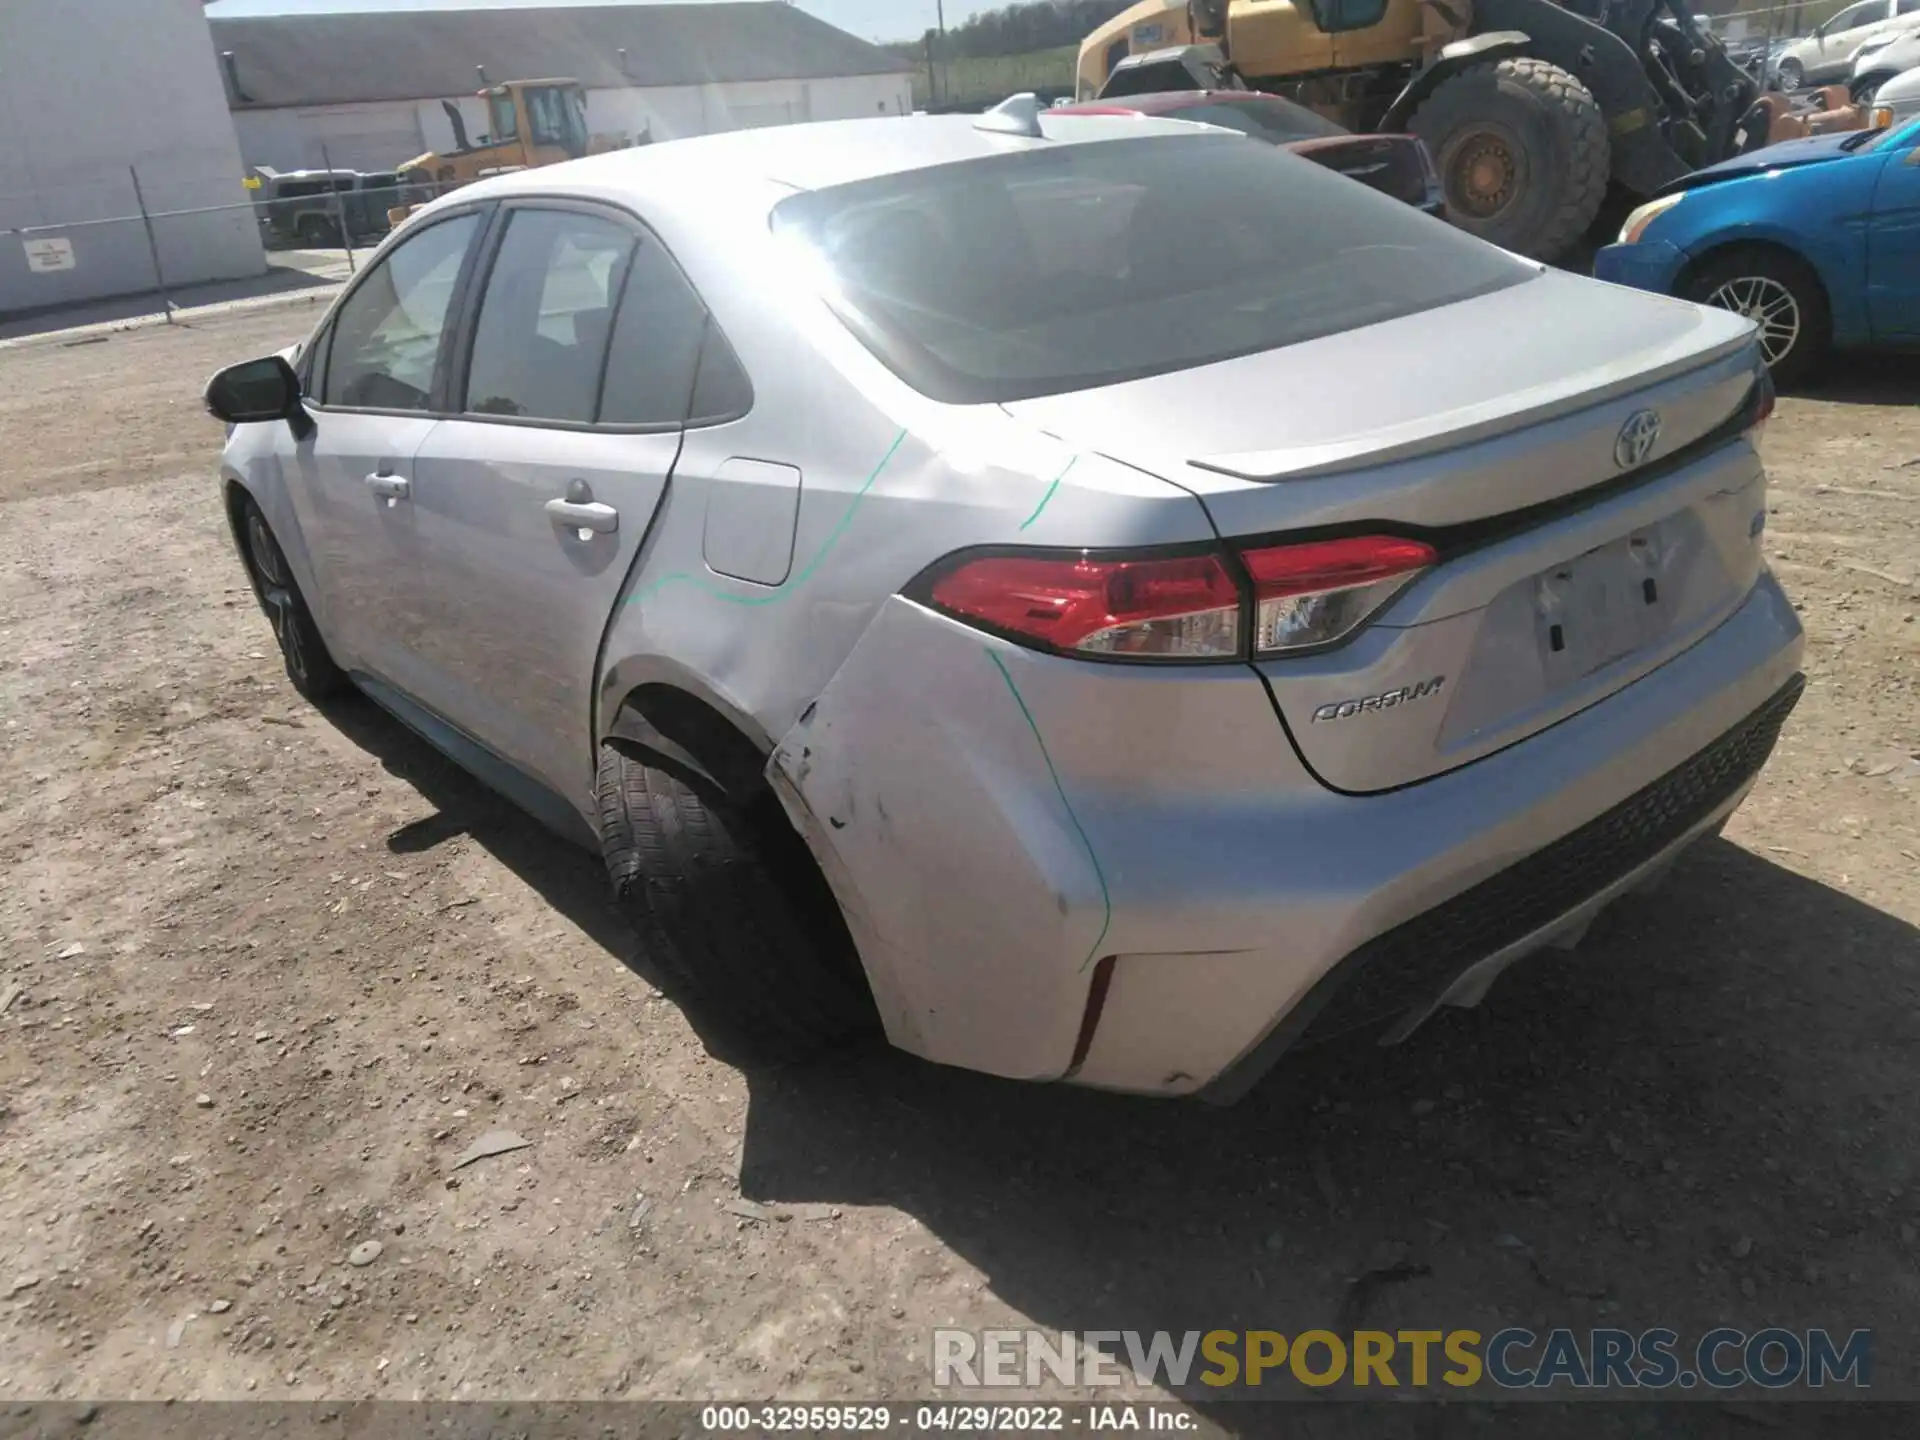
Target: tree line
<point>1017,29</point>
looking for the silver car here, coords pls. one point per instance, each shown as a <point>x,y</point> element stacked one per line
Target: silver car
<point>1881,62</point>
<point>1093,597</point>
<point>1897,100</point>
<point>1827,55</point>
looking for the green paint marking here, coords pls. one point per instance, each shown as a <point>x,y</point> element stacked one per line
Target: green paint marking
<point>1106,900</point>
<point>788,586</point>
<point>1049,495</point>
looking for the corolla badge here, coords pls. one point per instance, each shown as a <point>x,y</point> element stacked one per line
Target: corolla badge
<point>1637,439</point>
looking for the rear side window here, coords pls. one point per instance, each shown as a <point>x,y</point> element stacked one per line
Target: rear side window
<point>1068,267</point>
<point>668,363</point>
<point>541,338</point>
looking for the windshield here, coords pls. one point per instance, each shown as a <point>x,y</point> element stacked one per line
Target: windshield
<point>558,116</point>
<point>1082,265</point>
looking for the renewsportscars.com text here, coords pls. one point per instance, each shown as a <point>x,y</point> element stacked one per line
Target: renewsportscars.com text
<point>1511,1359</point>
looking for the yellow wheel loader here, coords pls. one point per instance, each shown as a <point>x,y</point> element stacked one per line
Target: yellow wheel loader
<point>531,122</point>
<point>1529,107</point>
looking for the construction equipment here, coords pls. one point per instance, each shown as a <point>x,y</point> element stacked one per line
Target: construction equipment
<point>1529,107</point>
<point>532,123</point>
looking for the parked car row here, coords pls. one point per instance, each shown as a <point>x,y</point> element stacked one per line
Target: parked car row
<point>1828,54</point>
<point>1884,60</point>
<point>1092,596</point>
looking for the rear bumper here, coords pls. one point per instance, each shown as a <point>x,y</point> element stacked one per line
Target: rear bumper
<point>1549,896</point>
<point>1001,829</point>
<point>1650,265</point>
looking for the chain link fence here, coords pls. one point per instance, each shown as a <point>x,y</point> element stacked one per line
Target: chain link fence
<point>156,248</point>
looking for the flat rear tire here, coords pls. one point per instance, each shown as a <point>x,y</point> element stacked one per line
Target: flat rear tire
<point>728,904</point>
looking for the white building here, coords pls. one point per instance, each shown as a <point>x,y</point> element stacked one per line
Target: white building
<point>92,91</point>
<point>364,88</point>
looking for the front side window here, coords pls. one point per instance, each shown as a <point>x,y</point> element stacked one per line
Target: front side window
<point>386,338</point>
<point>1081,265</point>
<point>541,340</point>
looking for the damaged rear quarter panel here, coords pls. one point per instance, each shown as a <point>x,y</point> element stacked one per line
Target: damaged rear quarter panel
<point>979,901</point>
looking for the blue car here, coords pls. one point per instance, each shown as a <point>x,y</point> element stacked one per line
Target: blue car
<point>1817,240</point>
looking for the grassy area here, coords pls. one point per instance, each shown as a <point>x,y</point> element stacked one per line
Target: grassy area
<point>988,79</point>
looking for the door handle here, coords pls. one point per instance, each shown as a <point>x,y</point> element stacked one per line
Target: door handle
<point>584,515</point>
<point>392,487</point>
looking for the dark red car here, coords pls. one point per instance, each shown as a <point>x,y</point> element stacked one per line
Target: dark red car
<point>1396,165</point>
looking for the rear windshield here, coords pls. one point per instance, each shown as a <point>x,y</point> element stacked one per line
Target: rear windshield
<point>1066,267</point>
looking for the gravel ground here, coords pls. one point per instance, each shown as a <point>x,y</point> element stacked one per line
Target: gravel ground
<point>270,972</point>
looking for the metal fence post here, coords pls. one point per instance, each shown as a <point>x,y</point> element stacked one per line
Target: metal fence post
<point>339,208</point>
<point>153,245</point>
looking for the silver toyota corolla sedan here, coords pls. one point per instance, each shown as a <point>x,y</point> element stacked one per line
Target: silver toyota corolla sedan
<point>1097,598</point>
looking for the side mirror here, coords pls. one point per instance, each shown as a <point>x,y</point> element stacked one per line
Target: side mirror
<point>259,390</point>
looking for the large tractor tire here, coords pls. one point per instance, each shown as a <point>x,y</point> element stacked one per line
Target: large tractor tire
<point>1522,151</point>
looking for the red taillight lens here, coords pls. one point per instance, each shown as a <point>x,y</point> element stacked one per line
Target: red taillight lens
<point>1310,595</point>
<point>1174,608</point>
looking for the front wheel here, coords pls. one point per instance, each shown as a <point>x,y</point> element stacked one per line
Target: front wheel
<point>304,653</point>
<point>1522,151</point>
<point>1791,76</point>
<point>1781,295</point>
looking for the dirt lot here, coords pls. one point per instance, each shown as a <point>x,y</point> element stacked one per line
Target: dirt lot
<point>276,970</point>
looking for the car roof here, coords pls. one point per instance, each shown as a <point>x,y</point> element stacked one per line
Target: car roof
<point>813,156</point>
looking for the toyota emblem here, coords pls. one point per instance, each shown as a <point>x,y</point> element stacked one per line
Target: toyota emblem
<point>1637,439</point>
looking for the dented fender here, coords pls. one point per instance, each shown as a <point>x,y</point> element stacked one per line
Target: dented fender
<point>972,893</point>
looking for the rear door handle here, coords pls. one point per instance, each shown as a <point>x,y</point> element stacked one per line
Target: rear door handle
<point>584,515</point>
<point>393,487</point>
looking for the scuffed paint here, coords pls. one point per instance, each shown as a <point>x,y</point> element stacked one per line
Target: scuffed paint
<point>1044,499</point>
<point>970,885</point>
<point>1106,898</point>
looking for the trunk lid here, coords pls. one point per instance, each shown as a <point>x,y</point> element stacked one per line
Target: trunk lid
<point>1575,556</point>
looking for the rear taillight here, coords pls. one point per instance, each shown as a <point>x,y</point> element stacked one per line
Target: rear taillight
<point>1187,606</point>
<point>1181,607</point>
<point>1312,595</point>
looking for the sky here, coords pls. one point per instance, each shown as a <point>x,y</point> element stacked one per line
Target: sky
<point>869,19</point>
